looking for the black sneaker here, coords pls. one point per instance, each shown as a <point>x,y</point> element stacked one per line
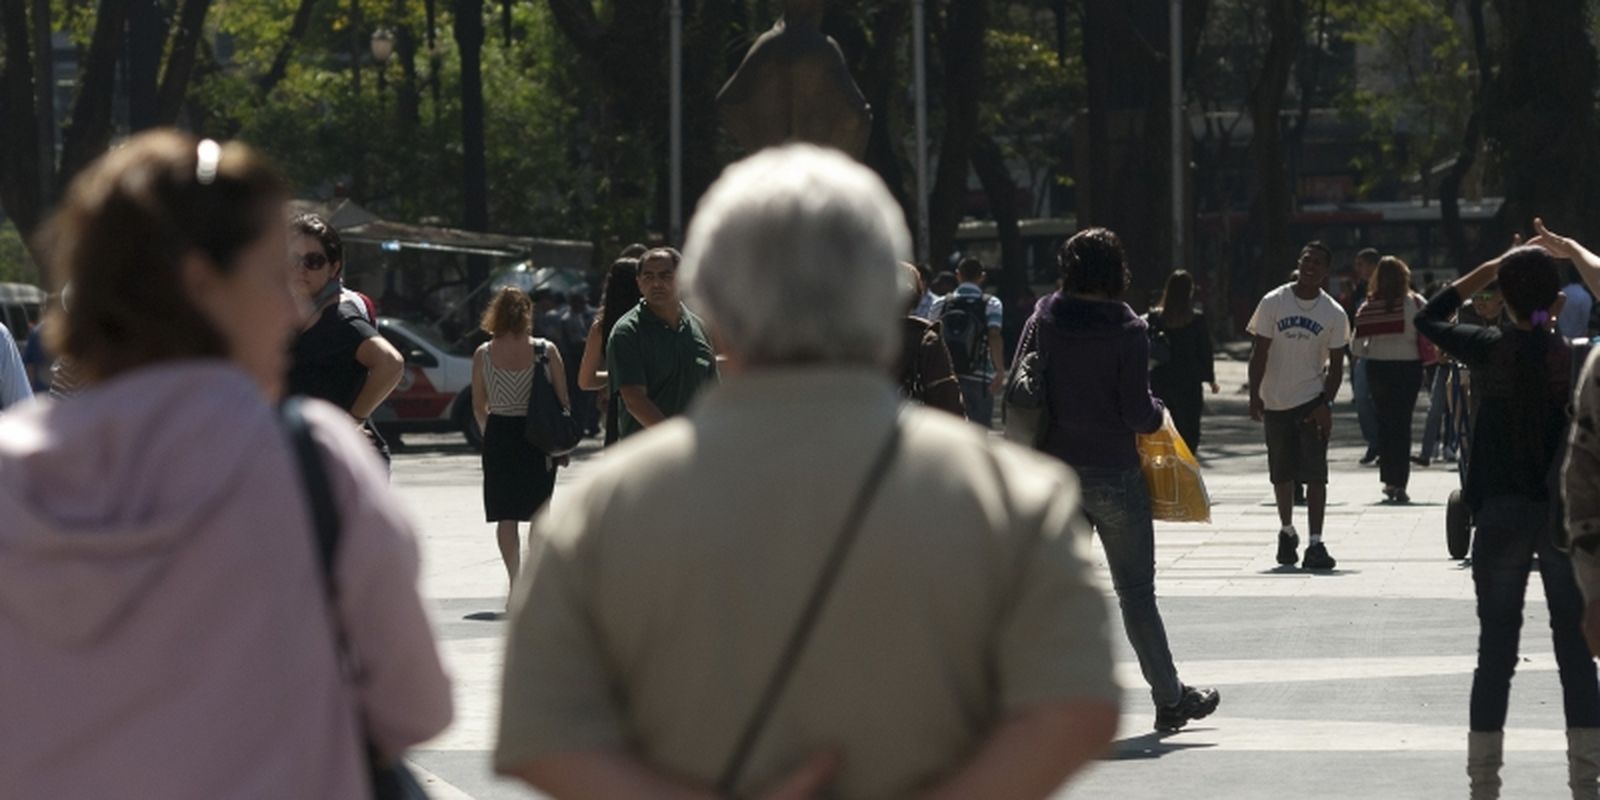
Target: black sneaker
<point>1194,704</point>
<point>1370,458</point>
<point>1288,543</point>
<point>1317,558</point>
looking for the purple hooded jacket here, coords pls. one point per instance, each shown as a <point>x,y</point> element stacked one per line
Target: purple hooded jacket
<point>1098,355</point>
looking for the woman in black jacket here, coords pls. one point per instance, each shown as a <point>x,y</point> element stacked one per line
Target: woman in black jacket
<point>1522,375</point>
<point>1181,357</point>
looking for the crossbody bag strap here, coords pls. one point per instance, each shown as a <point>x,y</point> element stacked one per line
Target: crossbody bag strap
<point>314,477</point>
<point>849,531</point>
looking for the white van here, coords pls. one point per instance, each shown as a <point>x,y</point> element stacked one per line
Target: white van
<point>20,307</point>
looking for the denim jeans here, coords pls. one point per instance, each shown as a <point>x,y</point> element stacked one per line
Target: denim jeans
<point>1511,532</point>
<point>1366,410</point>
<point>975,397</point>
<point>1117,503</point>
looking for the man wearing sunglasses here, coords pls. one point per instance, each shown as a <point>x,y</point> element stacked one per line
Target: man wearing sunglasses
<point>339,357</point>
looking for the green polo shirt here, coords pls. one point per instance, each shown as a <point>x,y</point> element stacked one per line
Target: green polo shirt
<point>672,364</point>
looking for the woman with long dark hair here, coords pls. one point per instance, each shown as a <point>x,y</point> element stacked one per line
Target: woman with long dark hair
<point>618,297</point>
<point>1386,338</point>
<point>1522,375</point>
<point>1187,362</point>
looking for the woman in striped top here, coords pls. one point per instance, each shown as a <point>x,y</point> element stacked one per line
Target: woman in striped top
<point>1386,338</point>
<point>518,478</point>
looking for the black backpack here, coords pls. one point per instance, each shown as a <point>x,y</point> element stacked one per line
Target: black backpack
<point>966,327</point>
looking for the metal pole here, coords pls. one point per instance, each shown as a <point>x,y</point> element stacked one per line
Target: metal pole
<point>919,58</point>
<point>1179,124</point>
<point>675,189</point>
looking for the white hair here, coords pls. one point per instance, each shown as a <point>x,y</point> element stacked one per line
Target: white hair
<point>794,256</point>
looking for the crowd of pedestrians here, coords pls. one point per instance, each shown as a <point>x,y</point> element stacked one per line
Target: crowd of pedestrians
<point>918,616</point>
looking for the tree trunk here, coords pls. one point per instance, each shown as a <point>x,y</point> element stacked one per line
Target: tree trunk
<point>962,46</point>
<point>89,133</point>
<point>990,164</point>
<point>280,61</point>
<point>44,119</point>
<point>1269,205</point>
<point>147,38</point>
<point>879,81</point>
<point>181,57</point>
<point>1127,162</point>
<point>469,34</point>
<point>1540,118</point>
<point>1450,187</point>
<point>22,174</point>
<point>409,95</point>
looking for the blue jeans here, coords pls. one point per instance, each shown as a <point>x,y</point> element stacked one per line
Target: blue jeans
<point>1511,532</point>
<point>977,400</point>
<point>1117,503</point>
<point>1366,410</point>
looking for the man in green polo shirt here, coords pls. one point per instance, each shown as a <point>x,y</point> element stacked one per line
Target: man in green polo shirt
<point>659,354</point>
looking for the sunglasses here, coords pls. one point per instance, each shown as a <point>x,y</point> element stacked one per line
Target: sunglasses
<point>311,261</point>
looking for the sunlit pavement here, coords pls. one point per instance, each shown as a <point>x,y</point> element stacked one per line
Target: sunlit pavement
<point>1349,684</point>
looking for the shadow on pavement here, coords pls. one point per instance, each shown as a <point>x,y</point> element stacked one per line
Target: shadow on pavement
<point>1315,573</point>
<point>1154,744</point>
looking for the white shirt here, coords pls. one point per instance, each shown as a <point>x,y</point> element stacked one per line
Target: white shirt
<point>14,386</point>
<point>1302,333</point>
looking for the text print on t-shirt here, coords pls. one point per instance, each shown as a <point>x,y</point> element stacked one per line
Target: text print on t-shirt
<point>1287,325</point>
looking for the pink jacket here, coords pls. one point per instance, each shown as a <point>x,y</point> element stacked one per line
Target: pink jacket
<point>163,626</point>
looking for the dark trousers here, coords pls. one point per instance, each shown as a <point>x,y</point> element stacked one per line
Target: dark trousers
<point>1511,532</point>
<point>1185,403</point>
<point>979,403</point>
<point>1394,386</point>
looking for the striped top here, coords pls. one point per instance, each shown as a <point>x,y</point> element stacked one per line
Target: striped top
<point>508,389</point>
<point>1385,334</point>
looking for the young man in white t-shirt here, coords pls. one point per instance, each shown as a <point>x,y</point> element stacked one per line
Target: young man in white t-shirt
<point>1295,370</point>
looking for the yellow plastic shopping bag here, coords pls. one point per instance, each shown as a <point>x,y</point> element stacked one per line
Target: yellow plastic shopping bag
<point>1177,491</point>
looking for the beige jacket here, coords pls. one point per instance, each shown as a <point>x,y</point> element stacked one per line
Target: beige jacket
<point>663,590</point>
<point>1580,480</point>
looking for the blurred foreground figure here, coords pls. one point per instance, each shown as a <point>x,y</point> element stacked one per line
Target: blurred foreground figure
<point>163,618</point>
<point>961,650</point>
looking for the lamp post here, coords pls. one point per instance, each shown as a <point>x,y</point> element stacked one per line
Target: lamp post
<point>382,51</point>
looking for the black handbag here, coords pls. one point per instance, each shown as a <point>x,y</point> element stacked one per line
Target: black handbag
<point>390,781</point>
<point>550,426</point>
<point>1025,405</point>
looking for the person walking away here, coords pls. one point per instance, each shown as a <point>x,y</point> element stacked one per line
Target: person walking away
<point>1096,353</point>
<point>1386,339</point>
<point>1297,363</point>
<point>518,478</point>
<point>576,320</point>
<point>619,296</point>
<point>660,353</point>
<point>163,615</point>
<point>655,612</point>
<point>924,370</point>
<point>14,384</point>
<point>971,321</point>
<point>339,356</point>
<point>1189,365</point>
<point>1366,412</point>
<point>1522,375</point>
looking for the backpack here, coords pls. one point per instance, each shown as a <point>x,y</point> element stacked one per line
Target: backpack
<point>966,327</point>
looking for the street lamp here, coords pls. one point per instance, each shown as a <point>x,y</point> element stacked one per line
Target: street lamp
<point>382,51</point>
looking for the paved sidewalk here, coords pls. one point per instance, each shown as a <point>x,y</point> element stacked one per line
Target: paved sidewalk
<point>1349,684</point>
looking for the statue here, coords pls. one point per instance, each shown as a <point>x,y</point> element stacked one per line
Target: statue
<point>794,85</point>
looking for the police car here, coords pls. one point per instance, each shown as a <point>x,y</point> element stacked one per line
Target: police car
<point>435,393</point>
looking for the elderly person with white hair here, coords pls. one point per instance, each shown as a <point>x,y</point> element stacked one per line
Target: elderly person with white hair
<point>803,585</point>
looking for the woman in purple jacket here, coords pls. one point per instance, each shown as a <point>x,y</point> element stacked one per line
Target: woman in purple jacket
<point>1097,353</point>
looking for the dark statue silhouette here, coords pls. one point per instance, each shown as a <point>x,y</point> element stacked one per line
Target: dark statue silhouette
<point>794,85</point>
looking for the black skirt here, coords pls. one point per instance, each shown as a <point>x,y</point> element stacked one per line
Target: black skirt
<point>518,478</point>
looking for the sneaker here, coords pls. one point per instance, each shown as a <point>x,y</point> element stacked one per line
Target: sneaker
<point>1370,458</point>
<point>1421,462</point>
<point>1317,558</point>
<point>1193,704</point>
<point>1288,543</point>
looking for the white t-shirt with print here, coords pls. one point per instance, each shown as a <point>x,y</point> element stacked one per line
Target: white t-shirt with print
<point>1302,334</point>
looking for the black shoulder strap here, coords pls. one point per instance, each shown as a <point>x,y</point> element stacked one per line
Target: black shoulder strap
<point>848,533</point>
<point>324,514</point>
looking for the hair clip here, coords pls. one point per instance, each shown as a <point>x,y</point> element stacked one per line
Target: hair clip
<point>208,157</point>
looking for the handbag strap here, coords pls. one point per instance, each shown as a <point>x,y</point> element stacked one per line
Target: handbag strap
<point>314,477</point>
<point>848,533</point>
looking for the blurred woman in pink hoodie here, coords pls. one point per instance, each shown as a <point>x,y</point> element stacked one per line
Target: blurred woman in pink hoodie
<point>164,629</point>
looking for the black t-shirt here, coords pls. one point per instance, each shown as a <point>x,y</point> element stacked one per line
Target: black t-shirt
<point>325,365</point>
